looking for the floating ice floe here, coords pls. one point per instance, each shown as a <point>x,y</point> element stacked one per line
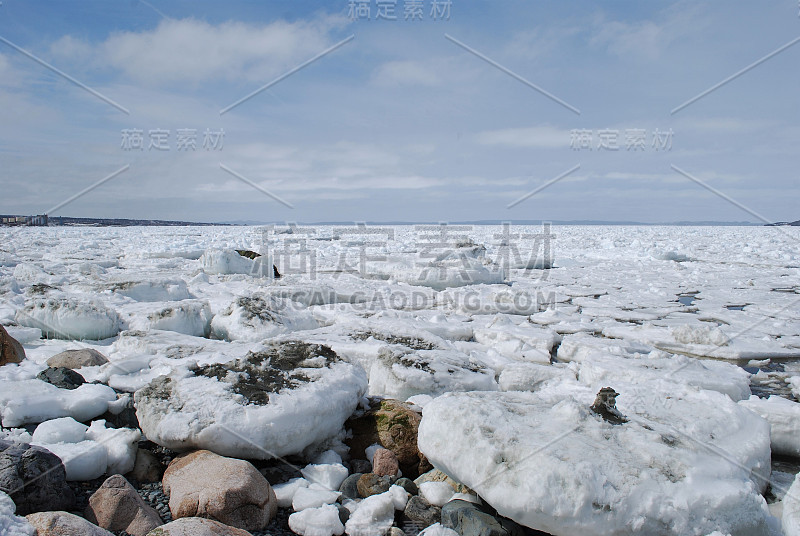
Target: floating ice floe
<point>273,402</point>
<point>88,452</point>
<point>257,317</point>
<point>70,318</point>
<point>686,462</point>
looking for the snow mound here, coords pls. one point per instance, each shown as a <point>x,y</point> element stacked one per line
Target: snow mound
<point>69,318</point>
<point>687,462</point>
<point>34,401</point>
<point>257,317</point>
<point>274,402</point>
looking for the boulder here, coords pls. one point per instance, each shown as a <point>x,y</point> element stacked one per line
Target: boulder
<point>276,401</point>
<point>63,524</point>
<point>75,359</point>
<point>349,487</point>
<point>117,506</point>
<point>61,377</point>
<point>11,351</point>
<point>196,526</point>
<point>393,425</point>
<point>204,484</point>
<point>35,479</point>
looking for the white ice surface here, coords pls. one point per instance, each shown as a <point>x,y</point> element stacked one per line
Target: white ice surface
<point>783,417</point>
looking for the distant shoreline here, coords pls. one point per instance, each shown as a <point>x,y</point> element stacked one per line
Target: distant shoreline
<point>129,222</point>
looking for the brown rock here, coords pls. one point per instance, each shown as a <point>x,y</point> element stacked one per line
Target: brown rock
<point>197,526</point>
<point>117,506</point>
<point>384,463</point>
<point>75,359</point>
<point>204,484</point>
<point>393,425</point>
<point>371,484</point>
<point>11,351</point>
<point>63,524</point>
<point>147,468</point>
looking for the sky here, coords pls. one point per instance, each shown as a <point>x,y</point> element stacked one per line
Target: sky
<point>464,110</point>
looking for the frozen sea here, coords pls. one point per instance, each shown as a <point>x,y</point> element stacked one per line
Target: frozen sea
<point>461,309</point>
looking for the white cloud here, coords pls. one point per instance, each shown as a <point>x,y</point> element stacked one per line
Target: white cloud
<point>544,136</point>
<point>193,51</point>
<point>407,73</point>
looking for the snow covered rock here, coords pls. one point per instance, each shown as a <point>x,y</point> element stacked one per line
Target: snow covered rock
<point>257,317</point>
<point>11,351</point>
<point>783,417</point>
<point>75,359</point>
<point>10,524</point>
<point>69,318</point>
<point>117,506</point>
<point>34,478</point>
<point>33,401</point>
<point>687,461</point>
<point>273,402</point>
<point>203,484</point>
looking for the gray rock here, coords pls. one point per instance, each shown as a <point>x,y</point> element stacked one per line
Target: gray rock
<point>418,509</point>
<point>349,488</point>
<point>408,485</point>
<point>469,519</point>
<point>75,359</point>
<point>63,524</point>
<point>344,513</point>
<point>11,351</point>
<point>117,506</point>
<point>61,377</point>
<point>35,479</point>
<point>372,484</point>
<point>124,417</point>
<point>360,466</point>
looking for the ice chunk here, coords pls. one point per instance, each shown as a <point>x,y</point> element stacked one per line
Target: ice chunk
<point>374,515</point>
<point>313,496</point>
<point>11,525</point>
<point>437,493</point>
<point>660,471</point>
<point>33,401</point>
<point>285,492</point>
<point>321,521</point>
<point>783,417</point>
<point>69,318</point>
